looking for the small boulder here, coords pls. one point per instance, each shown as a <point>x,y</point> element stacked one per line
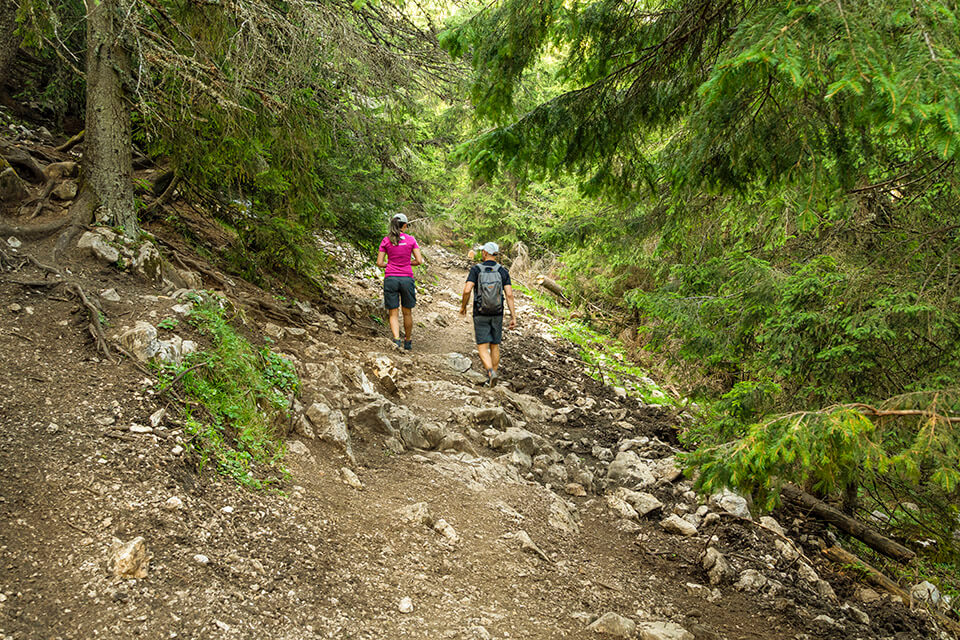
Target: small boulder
<point>141,341</point>
<point>350,478</point>
<point>522,439</point>
<point>495,417</point>
<point>613,624</point>
<point>628,469</point>
<point>751,580</point>
<point>925,592</point>
<point>445,529</point>
<point>331,427</point>
<point>148,262</point>
<point>675,524</point>
<point>644,503</point>
<point>129,560</point>
<point>663,631</point>
<point>575,489</point>
<point>66,190</point>
<point>458,362</point>
<point>560,518</point>
<point>621,507</point>
<point>98,247</point>
<point>732,503</point>
<point>716,566</point>
<point>297,448</point>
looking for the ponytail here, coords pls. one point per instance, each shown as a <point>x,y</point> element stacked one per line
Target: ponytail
<point>396,224</point>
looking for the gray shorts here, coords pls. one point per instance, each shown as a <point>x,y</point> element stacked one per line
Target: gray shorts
<point>397,290</point>
<point>488,329</point>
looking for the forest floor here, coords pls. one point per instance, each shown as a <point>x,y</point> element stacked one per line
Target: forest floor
<point>522,555</point>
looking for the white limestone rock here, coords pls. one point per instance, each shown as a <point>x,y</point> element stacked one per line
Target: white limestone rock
<point>627,469</point>
<point>613,624</point>
<point>675,524</point>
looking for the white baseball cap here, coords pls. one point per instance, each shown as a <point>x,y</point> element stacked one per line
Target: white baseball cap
<point>399,216</point>
<point>492,248</point>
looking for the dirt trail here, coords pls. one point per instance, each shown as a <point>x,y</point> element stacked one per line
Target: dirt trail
<point>328,560</point>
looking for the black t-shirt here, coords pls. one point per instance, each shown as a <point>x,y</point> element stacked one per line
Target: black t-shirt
<point>474,276</point>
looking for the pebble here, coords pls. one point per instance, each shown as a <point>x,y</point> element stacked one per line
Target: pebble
<point>201,559</point>
<point>173,503</point>
<point>406,605</point>
<point>140,428</point>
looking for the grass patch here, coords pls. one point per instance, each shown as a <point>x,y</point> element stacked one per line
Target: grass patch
<point>606,359</point>
<point>237,396</point>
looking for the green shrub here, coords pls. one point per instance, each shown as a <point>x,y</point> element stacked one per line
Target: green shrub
<point>236,396</point>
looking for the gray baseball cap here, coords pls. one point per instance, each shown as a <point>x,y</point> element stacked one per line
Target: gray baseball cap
<point>399,216</point>
<point>492,248</point>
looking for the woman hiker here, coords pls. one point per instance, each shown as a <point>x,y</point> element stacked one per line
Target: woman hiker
<point>399,290</point>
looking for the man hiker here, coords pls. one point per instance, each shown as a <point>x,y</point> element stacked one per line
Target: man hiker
<point>490,282</point>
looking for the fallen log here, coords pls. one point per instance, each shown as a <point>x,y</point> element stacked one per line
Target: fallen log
<point>871,575</point>
<point>881,581</point>
<point>553,287</point>
<point>869,536</point>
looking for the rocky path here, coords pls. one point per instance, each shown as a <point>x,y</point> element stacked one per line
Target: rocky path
<point>420,505</point>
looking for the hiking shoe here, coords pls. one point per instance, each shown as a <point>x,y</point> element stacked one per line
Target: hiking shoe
<point>494,378</point>
<point>408,345</point>
<point>399,343</point>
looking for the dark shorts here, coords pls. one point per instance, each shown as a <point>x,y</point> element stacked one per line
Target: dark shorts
<point>488,329</point>
<point>399,290</point>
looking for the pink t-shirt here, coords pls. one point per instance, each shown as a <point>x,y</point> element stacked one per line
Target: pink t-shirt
<point>398,257</point>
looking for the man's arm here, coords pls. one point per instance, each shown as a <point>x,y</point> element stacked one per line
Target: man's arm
<point>467,288</point>
<point>508,292</point>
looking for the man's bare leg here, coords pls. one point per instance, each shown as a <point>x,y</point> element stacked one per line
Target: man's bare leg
<point>484,351</point>
<point>494,356</point>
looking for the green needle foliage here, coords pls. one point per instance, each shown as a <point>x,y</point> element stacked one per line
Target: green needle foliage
<point>777,195</point>
<point>240,397</point>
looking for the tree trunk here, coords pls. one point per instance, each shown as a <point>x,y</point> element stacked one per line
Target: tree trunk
<point>107,158</point>
<point>9,43</point>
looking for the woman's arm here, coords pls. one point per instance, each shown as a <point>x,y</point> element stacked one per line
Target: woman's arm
<point>382,259</point>
<point>418,258</point>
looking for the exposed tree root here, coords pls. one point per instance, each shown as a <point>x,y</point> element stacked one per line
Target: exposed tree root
<point>43,200</point>
<point>94,324</point>
<point>72,142</point>
<point>20,158</point>
<point>81,214</point>
<point>164,197</point>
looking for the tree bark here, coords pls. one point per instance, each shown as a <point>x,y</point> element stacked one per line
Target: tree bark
<point>9,43</point>
<point>858,530</point>
<point>552,287</point>
<point>108,163</point>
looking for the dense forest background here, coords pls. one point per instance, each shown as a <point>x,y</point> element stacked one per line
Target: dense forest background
<point>759,198</point>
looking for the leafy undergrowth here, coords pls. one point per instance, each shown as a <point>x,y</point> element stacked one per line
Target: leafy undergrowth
<point>236,396</point>
<point>603,356</point>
